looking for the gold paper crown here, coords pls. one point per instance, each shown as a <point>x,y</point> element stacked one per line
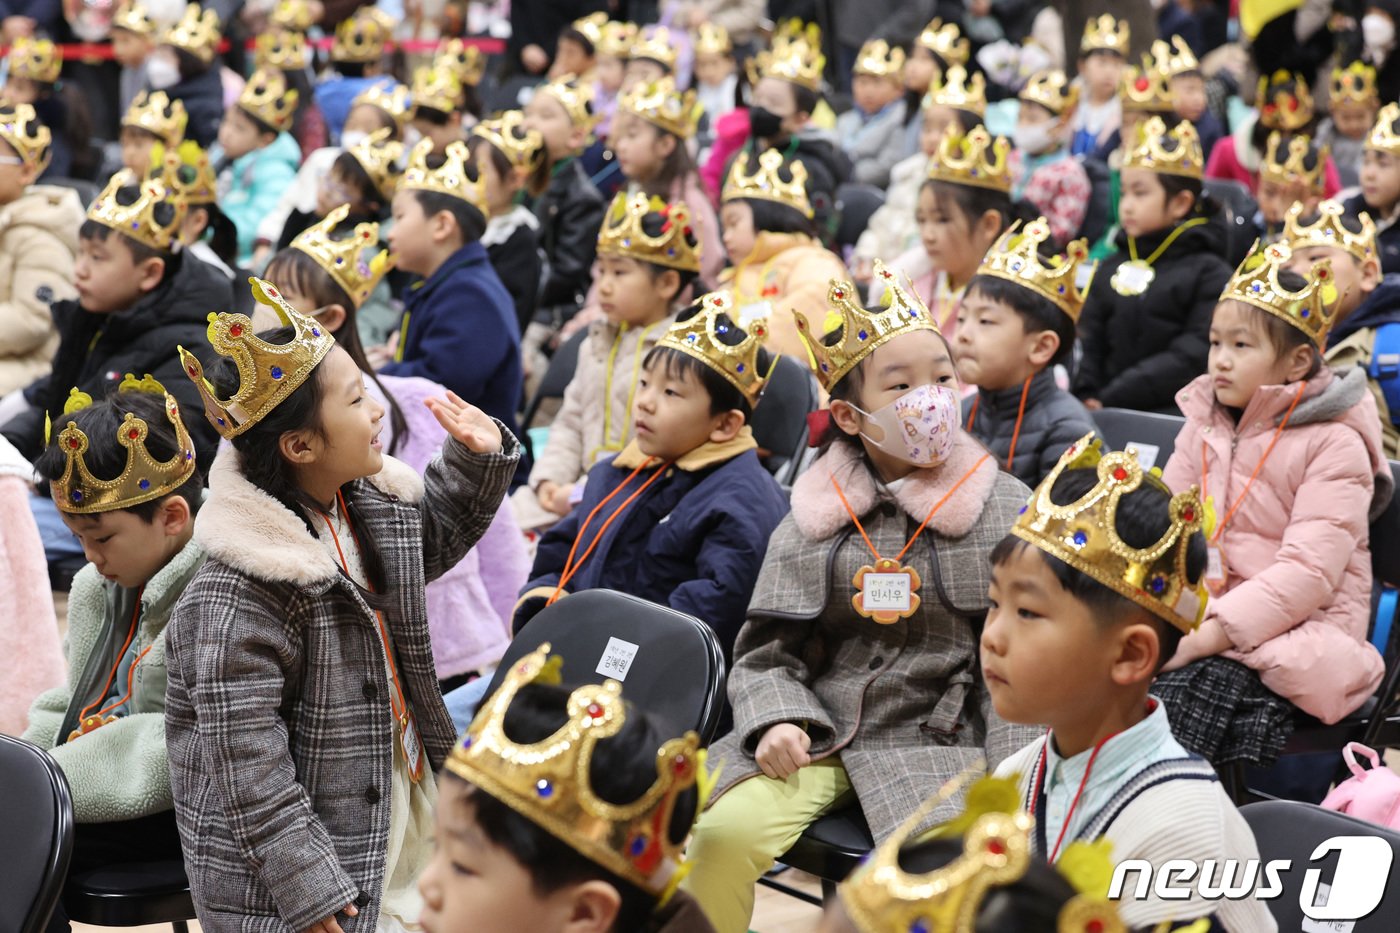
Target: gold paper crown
<point>157,114</point>
<point>575,97</point>
<point>622,233</point>
<point>35,59</point>
<point>281,49</point>
<point>713,40</point>
<point>1310,309</point>
<point>661,105</point>
<point>1329,231</point>
<point>522,147</point>
<point>1051,90</point>
<point>267,373</point>
<point>946,41</point>
<point>1105,34</point>
<point>794,59</point>
<point>382,159</point>
<point>395,101</point>
<point>436,89</point>
<point>449,178</point>
<point>975,159</point>
<point>591,27</point>
<point>955,89</point>
<point>1292,168</point>
<point>1183,158</point>
<point>766,184</point>
<point>657,45</point>
<point>1016,258</point>
<point>617,39</point>
<point>1147,90</point>
<point>137,220</point>
<point>698,336</point>
<point>188,175</point>
<point>294,15</point>
<point>197,32</point>
<point>1356,84</point>
<point>1084,534</point>
<point>355,262</point>
<point>1175,59</point>
<point>144,478</point>
<point>878,60</point>
<point>362,37</point>
<point>133,17</point>
<point>549,782</point>
<point>1383,135</point>
<point>30,139</point>
<point>267,97</point>
<point>464,61</point>
<point>860,332</point>
<point>1281,109</point>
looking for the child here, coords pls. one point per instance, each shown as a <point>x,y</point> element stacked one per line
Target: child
<point>937,49</point>
<point>504,861</point>
<point>1015,325</point>
<point>1380,185</point>
<point>576,49</point>
<point>137,299</point>
<point>468,66</point>
<point>780,267</point>
<point>1285,104</point>
<point>318,548</point>
<point>357,64</point>
<point>1288,175</point>
<point>1143,330</point>
<point>640,281</point>
<point>153,118</point>
<point>716,73</point>
<point>831,707</point>
<point>206,232</point>
<point>695,539</point>
<point>872,131</point>
<point>286,51</point>
<point>1352,104</point>
<point>183,67</point>
<point>38,243</point>
<point>1043,171</point>
<point>134,33</point>
<point>362,177</point>
<point>256,158</point>
<point>610,67</point>
<point>1188,88</point>
<point>1103,51</point>
<point>651,58</point>
<point>1289,568</point>
<point>1068,598</point>
<point>436,93</point>
<point>511,159</point>
<point>1367,309</point>
<point>458,326</point>
<point>34,69</point>
<point>123,475</point>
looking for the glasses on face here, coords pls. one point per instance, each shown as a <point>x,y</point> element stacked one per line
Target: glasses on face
<point>336,191</point>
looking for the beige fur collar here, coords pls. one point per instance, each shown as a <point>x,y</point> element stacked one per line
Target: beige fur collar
<point>244,527</point>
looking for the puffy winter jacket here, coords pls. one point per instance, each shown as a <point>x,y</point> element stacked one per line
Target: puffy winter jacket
<point>1053,420</point>
<point>792,272</point>
<point>38,240</point>
<point>570,212</point>
<point>252,185</point>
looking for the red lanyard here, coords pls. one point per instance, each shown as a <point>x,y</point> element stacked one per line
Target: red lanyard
<point>932,512</point>
<point>130,674</point>
<point>1205,466</point>
<point>1083,782</point>
<point>1020,415</point>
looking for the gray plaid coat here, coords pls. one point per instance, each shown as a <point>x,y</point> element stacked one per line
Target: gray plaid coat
<point>904,705</point>
<point>277,707</point>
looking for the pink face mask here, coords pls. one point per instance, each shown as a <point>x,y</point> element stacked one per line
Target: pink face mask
<point>920,426</point>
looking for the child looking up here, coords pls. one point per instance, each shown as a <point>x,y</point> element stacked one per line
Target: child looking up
<point>152,118</point>
<point>1103,51</point>
<point>1044,172</point>
<point>1290,173</point>
<point>1352,104</point>
<point>1066,597</point>
<point>1015,324</point>
<point>1143,330</point>
<point>357,64</point>
<point>872,131</point>
<point>1290,453</point>
<point>183,67</point>
<point>830,707</point>
<point>256,158</point>
<point>1380,185</point>
<point>328,603</point>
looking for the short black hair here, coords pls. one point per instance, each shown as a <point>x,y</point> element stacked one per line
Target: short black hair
<point>652,222</point>
<point>106,457</point>
<point>973,201</point>
<point>1109,53</point>
<point>1032,901</point>
<point>348,167</point>
<point>1175,184</point>
<point>578,38</point>
<point>679,365</point>
<point>163,213</point>
<point>432,115</point>
<point>1037,313</point>
<point>1143,517</point>
<point>349,69</point>
<point>806,98</point>
<point>773,217</point>
<point>471,222</point>
<point>1283,336</point>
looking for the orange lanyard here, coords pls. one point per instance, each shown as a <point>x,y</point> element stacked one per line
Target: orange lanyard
<point>1205,466</point>
<point>932,512</point>
<point>570,566</point>
<point>130,674</point>
<point>1020,416</point>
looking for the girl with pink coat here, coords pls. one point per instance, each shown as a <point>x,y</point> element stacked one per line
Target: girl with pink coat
<point>1288,457</point>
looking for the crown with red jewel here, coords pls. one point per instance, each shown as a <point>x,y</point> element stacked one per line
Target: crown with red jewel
<point>622,233</point>
<point>549,782</point>
<point>1284,101</point>
<point>1310,309</point>
<point>699,336</point>
<point>355,262</point>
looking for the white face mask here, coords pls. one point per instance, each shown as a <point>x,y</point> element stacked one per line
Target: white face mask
<point>352,138</point>
<point>162,73</point>
<point>1377,30</point>
<point>1033,139</point>
<point>411,138</point>
<point>919,427</point>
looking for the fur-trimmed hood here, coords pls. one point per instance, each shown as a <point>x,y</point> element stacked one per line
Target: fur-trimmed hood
<point>244,527</point>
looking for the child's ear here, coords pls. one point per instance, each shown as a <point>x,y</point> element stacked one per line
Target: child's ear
<point>667,142</point>
<point>442,225</point>
<point>1370,275</point>
<point>297,447</point>
<point>332,316</point>
<point>28,174</point>
<point>668,283</point>
<point>726,426</point>
<point>149,272</point>
<point>174,516</point>
<point>845,416</point>
<point>1300,362</point>
<point>988,226</point>
<point>1180,204</point>
<point>1044,345</point>
<point>593,908</point>
<point>1138,650</point>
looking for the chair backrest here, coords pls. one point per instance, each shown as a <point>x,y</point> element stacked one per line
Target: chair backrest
<point>556,378</point>
<point>36,835</point>
<point>1152,434</point>
<point>779,421</point>
<point>1239,207</point>
<point>1287,829</point>
<point>669,663</point>
<point>856,203</point>
<point>1385,538</point>
<point>87,191</point>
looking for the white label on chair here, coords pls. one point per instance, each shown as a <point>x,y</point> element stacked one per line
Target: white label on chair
<point>1310,925</point>
<point>1147,454</point>
<point>617,659</point>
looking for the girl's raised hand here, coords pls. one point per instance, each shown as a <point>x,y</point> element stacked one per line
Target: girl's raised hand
<point>471,426</point>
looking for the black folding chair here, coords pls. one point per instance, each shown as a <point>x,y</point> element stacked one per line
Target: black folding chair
<point>855,205</point>
<point>1239,207</point>
<point>780,420</point>
<point>36,826</point>
<point>131,895</point>
<point>676,671</point>
<point>1147,431</point>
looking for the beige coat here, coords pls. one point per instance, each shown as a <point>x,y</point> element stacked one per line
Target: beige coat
<point>1356,350</point>
<point>790,272</point>
<point>38,240</point>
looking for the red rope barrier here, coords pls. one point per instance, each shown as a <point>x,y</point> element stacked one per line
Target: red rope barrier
<point>102,51</point>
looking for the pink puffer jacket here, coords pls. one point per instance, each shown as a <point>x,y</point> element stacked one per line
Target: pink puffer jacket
<point>1297,554</point>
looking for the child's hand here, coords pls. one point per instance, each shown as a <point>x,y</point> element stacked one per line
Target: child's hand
<point>471,426</point>
<point>330,924</point>
<point>783,750</point>
<point>1093,404</point>
<point>554,498</point>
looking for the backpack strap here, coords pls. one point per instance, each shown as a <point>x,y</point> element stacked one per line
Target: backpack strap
<point>1385,366</point>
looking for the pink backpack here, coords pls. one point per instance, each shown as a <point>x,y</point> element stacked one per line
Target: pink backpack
<point>1370,794</point>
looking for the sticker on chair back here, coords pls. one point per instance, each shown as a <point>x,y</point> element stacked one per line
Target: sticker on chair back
<point>617,659</point>
<point>1147,454</point>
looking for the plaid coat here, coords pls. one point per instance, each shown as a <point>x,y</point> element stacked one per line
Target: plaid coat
<point>903,704</point>
<point>277,708</point>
